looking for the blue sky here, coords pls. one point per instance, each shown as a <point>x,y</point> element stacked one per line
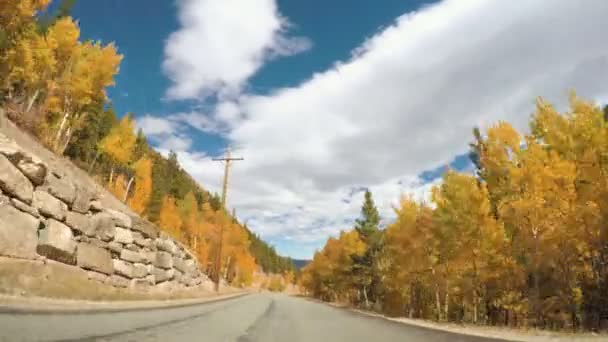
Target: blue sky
<point>324,98</point>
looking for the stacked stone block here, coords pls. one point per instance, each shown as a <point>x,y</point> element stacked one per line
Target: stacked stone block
<point>46,215</point>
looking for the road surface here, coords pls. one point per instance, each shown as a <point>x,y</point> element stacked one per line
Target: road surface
<point>258,317</point>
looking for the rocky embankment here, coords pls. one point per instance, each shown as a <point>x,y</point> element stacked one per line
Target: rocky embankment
<point>49,212</point>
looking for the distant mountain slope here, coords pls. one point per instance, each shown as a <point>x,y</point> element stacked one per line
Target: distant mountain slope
<point>267,257</point>
<point>299,263</point>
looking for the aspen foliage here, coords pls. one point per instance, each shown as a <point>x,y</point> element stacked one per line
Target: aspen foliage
<point>118,186</point>
<point>143,186</point>
<point>521,242</point>
<point>119,143</point>
<point>170,219</point>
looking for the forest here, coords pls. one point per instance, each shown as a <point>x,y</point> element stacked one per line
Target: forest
<point>522,242</point>
<point>53,85</point>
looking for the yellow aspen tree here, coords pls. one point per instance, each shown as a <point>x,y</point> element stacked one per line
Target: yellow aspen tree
<point>118,186</point>
<point>143,185</point>
<point>463,208</point>
<point>84,70</point>
<point>119,143</point>
<point>170,219</point>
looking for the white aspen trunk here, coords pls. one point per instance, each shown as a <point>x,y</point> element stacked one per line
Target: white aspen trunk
<point>447,301</point>
<point>475,304</point>
<point>111,175</point>
<point>437,300</point>
<point>128,188</point>
<point>61,126</point>
<point>365,296</point>
<point>64,120</point>
<point>94,161</point>
<point>32,100</point>
<point>227,267</point>
<point>68,136</point>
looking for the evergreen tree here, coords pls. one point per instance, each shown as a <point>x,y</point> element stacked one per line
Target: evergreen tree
<point>364,268</point>
<point>367,225</point>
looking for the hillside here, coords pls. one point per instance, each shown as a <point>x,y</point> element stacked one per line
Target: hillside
<point>300,263</point>
<point>59,96</point>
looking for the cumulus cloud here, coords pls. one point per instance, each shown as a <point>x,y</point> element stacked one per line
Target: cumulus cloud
<point>404,103</point>
<point>221,43</point>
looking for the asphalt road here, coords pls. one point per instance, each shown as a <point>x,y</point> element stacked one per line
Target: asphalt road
<point>259,317</point>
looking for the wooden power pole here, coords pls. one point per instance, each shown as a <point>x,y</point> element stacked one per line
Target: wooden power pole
<point>227,159</point>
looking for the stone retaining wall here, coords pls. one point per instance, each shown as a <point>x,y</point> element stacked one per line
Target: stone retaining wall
<point>44,213</point>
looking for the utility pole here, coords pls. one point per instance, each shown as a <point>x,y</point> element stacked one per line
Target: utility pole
<point>227,159</point>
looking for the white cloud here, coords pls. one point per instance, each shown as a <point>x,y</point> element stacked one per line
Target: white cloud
<point>164,132</point>
<point>404,103</point>
<point>221,43</point>
<point>154,126</point>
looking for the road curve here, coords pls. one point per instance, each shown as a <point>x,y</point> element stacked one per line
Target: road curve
<point>259,317</point>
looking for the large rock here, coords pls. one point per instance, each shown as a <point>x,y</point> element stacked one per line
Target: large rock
<point>100,277</point>
<point>34,170</point>
<point>123,268</point>
<point>123,236</point>
<point>61,188</point>
<point>120,219</point>
<point>140,240</point>
<point>98,243</point>
<point>141,284</point>
<point>82,201</point>
<point>177,275</point>
<point>18,233</point>
<point>190,267</point>
<point>31,166</point>
<point>150,257</point>
<point>8,147</point>
<point>163,260</point>
<point>94,258</point>
<point>103,225</point>
<point>140,270</point>
<point>146,228</point>
<point>166,245</point>
<point>13,182</point>
<point>161,275</point>
<point>180,264</point>
<point>131,256</point>
<point>117,281</point>
<point>115,247</point>
<point>49,206</point>
<point>25,207</point>
<point>80,222</point>
<point>95,206</point>
<point>56,242</point>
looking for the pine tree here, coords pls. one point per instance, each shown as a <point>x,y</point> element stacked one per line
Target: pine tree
<point>364,268</point>
<point>367,225</point>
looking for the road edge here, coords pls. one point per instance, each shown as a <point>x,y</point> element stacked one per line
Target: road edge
<point>52,306</point>
<point>507,335</point>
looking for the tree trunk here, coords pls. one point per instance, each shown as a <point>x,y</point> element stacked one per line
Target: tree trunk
<point>128,188</point>
<point>475,303</point>
<point>68,137</point>
<point>66,114</point>
<point>30,103</point>
<point>365,296</point>
<point>94,161</point>
<point>437,300</point>
<point>111,175</point>
<point>447,302</point>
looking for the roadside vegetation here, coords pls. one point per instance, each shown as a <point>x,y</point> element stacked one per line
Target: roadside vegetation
<point>53,84</point>
<point>522,242</point>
